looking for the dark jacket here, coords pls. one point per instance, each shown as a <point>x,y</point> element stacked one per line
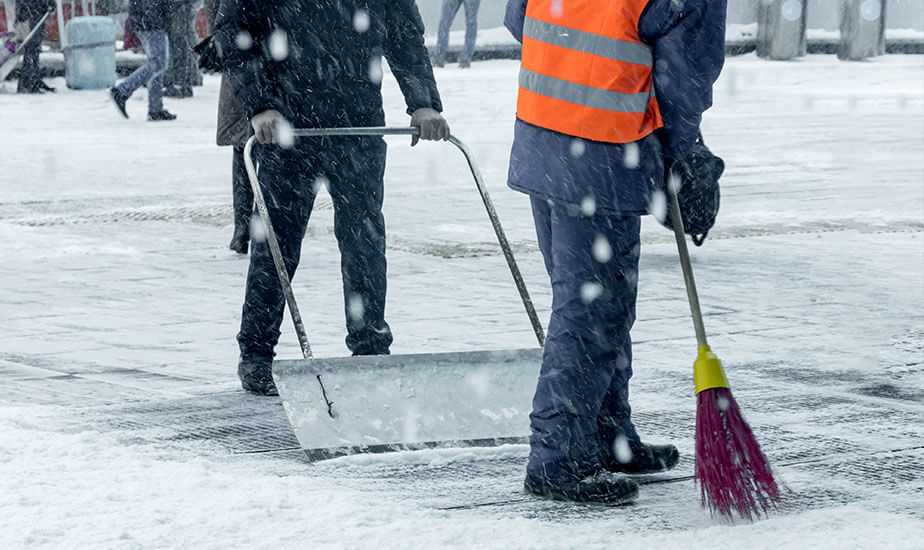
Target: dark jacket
<point>688,42</point>
<point>317,61</point>
<point>233,125</point>
<point>32,10</point>
<point>149,15</point>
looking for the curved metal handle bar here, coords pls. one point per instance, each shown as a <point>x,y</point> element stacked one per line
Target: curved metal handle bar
<point>276,252</point>
<point>361,131</point>
<point>502,240</point>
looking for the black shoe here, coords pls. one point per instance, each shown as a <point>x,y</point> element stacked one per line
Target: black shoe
<point>439,62</point>
<point>45,87</point>
<point>159,116</point>
<point>465,64</point>
<point>178,92</point>
<point>646,459</point>
<point>35,90</point>
<point>600,488</point>
<point>240,241</point>
<point>256,374</point>
<point>119,99</point>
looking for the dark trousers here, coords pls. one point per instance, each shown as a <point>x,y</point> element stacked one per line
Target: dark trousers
<point>448,14</point>
<point>180,70</point>
<point>241,192</point>
<point>354,170</point>
<point>30,75</point>
<point>581,413</point>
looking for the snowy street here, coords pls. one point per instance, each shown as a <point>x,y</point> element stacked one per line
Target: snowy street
<point>122,422</point>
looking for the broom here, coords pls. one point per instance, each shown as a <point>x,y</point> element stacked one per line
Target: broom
<point>732,471</point>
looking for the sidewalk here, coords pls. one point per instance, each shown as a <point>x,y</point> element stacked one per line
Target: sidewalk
<point>119,304</point>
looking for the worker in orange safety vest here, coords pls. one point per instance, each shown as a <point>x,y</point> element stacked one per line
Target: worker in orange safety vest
<point>610,93</point>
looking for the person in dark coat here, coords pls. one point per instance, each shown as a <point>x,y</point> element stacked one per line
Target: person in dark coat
<point>587,200</point>
<point>318,65</point>
<point>149,20</point>
<point>178,77</point>
<point>30,74</point>
<point>447,16</point>
<point>234,130</point>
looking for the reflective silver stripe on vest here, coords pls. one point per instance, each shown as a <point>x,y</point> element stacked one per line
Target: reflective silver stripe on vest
<point>610,48</point>
<point>583,95</point>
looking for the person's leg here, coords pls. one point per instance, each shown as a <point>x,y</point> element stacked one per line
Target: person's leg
<point>180,51</point>
<point>593,263</point>
<point>242,195</point>
<point>30,79</point>
<point>285,178</point>
<point>357,189</point>
<point>619,440</point>
<point>170,71</point>
<point>447,15</point>
<point>158,52</point>
<point>471,31</point>
<point>142,74</point>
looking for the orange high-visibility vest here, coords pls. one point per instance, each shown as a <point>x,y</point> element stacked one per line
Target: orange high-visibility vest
<point>586,72</point>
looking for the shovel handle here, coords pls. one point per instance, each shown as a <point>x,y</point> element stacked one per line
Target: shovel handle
<point>367,131</point>
<point>502,240</point>
<point>276,252</point>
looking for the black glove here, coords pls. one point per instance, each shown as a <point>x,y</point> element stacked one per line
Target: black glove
<point>699,172</point>
<point>209,56</point>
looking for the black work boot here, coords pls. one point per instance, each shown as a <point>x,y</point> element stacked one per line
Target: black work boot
<point>256,374</point>
<point>644,459</point>
<point>599,488</point>
<point>119,99</point>
<point>161,116</point>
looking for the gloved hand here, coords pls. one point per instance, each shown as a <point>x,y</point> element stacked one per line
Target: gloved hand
<point>21,30</point>
<point>432,125</point>
<point>209,58</point>
<point>267,126</point>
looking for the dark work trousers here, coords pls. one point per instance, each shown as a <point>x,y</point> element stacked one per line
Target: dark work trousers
<point>353,169</point>
<point>30,74</point>
<point>581,406</point>
<point>179,73</point>
<point>241,192</point>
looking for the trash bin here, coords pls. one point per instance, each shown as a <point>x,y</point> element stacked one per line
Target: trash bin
<point>862,29</point>
<point>89,57</point>
<point>781,29</point>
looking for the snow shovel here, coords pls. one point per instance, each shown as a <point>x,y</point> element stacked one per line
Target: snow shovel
<point>372,404</point>
<point>8,64</point>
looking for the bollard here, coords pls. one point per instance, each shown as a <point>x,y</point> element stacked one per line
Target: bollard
<point>89,57</point>
<point>862,29</point>
<point>781,29</point>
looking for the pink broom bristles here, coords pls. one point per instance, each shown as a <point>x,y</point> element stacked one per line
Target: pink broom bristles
<point>733,473</point>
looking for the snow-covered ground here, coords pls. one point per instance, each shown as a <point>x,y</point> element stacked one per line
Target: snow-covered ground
<point>121,425</point>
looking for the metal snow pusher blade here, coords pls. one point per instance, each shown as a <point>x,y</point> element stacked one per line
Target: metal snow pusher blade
<point>340,406</point>
<point>399,402</point>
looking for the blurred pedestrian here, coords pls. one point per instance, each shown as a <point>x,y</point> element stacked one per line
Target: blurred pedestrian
<point>30,12</point>
<point>234,130</point>
<point>178,78</point>
<point>149,20</point>
<point>450,10</point>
